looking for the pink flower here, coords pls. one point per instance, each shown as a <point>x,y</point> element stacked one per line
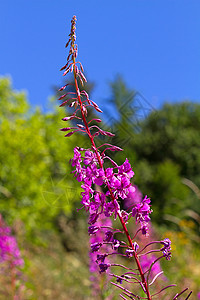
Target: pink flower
<point>9,250</point>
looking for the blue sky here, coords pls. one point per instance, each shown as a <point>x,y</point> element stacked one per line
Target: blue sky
<point>153,44</point>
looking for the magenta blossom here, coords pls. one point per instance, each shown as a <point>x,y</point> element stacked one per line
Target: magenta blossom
<point>115,182</point>
<point>9,250</point>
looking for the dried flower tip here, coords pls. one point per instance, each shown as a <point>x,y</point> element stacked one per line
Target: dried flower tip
<point>85,110</point>
<point>68,43</point>
<point>64,103</point>
<point>62,88</point>
<point>68,118</point>
<point>63,96</point>
<point>64,67</point>
<point>80,126</point>
<point>67,71</point>
<point>70,133</point>
<point>98,109</point>
<point>65,129</point>
<point>83,77</point>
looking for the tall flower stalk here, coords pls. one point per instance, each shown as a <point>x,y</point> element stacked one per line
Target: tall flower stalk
<point>115,181</point>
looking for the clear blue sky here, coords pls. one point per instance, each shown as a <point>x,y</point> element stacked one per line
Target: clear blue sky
<point>153,44</point>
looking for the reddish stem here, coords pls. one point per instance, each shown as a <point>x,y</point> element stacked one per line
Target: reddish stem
<point>111,193</point>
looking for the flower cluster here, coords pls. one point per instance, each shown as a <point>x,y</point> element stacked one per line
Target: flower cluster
<point>117,182</point>
<point>11,262</point>
<point>116,191</point>
<point>9,251</point>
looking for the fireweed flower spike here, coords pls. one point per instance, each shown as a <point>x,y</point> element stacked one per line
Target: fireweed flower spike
<point>115,181</point>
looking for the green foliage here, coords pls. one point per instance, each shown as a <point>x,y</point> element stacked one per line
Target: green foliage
<point>163,148</point>
<point>173,132</point>
<point>35,179</point>
<point>13,104</point>
<point>168,141</point>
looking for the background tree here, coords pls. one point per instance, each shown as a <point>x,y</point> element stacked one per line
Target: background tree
<point>35,181</point>
<point>163,147</point>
